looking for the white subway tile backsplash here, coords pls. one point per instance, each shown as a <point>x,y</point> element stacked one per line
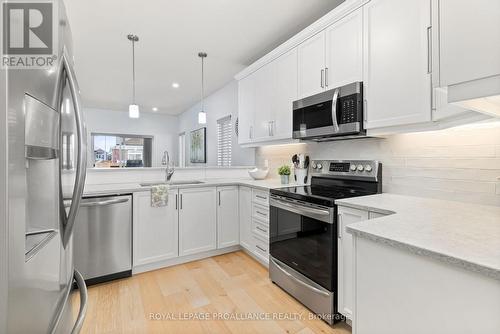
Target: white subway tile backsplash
<point>456,164</point>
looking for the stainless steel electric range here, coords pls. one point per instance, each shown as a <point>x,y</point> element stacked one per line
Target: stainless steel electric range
<point>303,237</point>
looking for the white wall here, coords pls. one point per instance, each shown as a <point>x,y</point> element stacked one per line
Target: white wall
<point>221,103</point>
<point>460,164</point>
<point>163,128</point>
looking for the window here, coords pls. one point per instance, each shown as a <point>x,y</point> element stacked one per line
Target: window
<point>224,141</point>
<point>121,150</point>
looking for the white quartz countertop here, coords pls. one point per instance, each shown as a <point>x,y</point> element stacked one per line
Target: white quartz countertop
<point>461,234</point>
<point>123,188</point>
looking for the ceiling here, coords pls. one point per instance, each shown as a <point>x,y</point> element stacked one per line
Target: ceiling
<point>234,33</point>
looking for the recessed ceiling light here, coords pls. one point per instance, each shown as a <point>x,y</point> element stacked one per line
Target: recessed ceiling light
<point>155,109</point>
<point>175,85</point>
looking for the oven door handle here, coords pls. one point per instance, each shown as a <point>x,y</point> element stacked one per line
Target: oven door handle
<point>334,111</point>
<point>308,286</point>
<point>320,214</point>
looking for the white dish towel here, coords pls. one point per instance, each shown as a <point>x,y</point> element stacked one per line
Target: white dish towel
<point>159,195</point>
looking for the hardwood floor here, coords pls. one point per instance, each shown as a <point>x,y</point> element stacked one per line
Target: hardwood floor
<point>220,288</point>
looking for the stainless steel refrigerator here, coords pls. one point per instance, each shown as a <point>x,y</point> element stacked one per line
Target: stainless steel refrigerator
<point>42,175</point>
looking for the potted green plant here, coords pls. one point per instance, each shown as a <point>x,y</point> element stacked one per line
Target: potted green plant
<point>284,172</point>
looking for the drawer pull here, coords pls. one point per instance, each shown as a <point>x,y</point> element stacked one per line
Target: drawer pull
<point>261,229</point>
<point>261,197</point>
<point>262,249</point>
<point>261,213</point>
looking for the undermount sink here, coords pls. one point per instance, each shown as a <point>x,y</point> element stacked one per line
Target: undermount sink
<point>172,183</point>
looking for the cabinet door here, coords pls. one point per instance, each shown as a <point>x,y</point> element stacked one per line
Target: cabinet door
<point>397,82</point>
<point>311,65</point>
<point>246,108</point>
<point>228,231</point>
<point>346,216</point>
<point>197,220</point>
<point>284,94</point>
<point>344,50</point>
<point>265,79</point>
<point>155,229</point>
<point>245,206</point>
<point>469,40</point>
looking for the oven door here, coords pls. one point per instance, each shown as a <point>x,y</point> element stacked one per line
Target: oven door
<point>303,237</point>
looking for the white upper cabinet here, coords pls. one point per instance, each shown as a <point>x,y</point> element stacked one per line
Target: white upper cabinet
<point>285,92</point>
<point>264,96</point>
<point>397,62</point>
<point>469,40</point>
<point>197,220</point>
<point>265,101</point>
<point>246,108</point>
<point>312,65</point>
<point>155,229</point>
<point>228,231</point>
<point>344,51</point>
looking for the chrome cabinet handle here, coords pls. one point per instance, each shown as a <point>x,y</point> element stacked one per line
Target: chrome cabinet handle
<point>339,226</point>
<point>80,282</point>
<point>261,197</point>
<point>365,109</point>
<point>181,201</point>
<point>104,203</point>
<point>69,222</point>
<point>262,249</point>
<point>429,50</point>
<point>261,213</point>
<point>261,229</point>
<point>322,78</point>
<point>298,280</point>
<point>326,77</point>
<point>219,198</point>
<point>334,111</point>
<point>176,202</point>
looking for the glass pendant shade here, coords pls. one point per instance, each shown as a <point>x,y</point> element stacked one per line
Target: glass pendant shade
<point>133,111</point>
<point>202,117</point>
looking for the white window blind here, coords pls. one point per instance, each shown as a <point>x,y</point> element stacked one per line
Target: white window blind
<point>224,139</point>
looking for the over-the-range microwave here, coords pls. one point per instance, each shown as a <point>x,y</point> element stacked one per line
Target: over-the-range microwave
<point>331,115</point>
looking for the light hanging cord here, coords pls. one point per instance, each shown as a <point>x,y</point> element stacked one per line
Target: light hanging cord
<point>202,115</point>
<point>133,109</point>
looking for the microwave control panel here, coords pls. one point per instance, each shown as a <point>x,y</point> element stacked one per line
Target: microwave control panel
<point>350,109</point>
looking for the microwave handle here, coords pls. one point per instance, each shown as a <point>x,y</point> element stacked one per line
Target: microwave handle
<point>334,111</point>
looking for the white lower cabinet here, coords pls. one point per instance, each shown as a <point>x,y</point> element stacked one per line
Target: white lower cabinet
<point>228,231</point>
<point>254,222</point>
<point>197,220</point>
<point>347,216</point>
<point>245,207</point>
<point>155,229</point>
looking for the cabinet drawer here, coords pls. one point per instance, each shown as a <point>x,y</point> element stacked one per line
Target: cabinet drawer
<point>260,212</point>
<point>260,196</point>
<point>260,229</point>
<point>261,248</point>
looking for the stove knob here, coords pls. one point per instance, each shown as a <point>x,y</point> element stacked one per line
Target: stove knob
<point>360,168</point>
<point>319,166</point>
<point>368,168</point>
<point>353,168</point>
<point>313,165</point>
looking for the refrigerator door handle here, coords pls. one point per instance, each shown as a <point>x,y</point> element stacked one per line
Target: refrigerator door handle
<point>67,72</point>
<point>80,282</point>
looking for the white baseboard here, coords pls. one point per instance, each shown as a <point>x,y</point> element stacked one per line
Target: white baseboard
<point>183,259</point>
<point>256,257</point>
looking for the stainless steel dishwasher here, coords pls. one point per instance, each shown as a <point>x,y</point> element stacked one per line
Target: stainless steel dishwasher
<point>103,238</point>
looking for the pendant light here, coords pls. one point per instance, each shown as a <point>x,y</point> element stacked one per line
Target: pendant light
<point>202,115</point>
<point>133,109</point>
